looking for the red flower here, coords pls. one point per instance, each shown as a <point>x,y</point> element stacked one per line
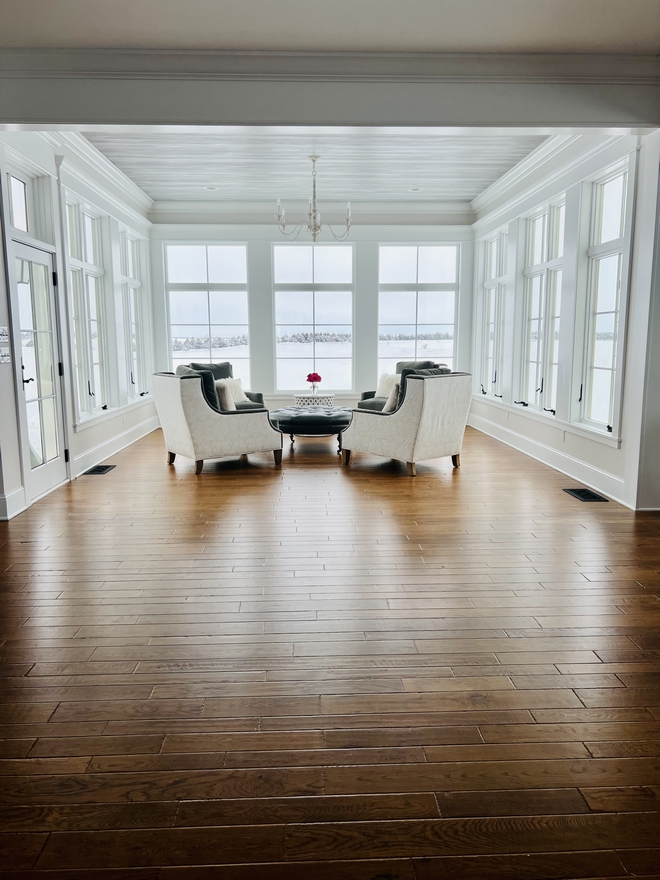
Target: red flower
<point>313,377</point>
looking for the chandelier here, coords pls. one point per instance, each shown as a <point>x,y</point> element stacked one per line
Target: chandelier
<point>313,224</point>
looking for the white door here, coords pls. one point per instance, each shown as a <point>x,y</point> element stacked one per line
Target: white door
<point>39,373</point>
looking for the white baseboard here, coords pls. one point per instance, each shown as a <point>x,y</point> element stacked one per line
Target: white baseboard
<point>12,504</point>
<point>593,477</point>
<point>97,454</point>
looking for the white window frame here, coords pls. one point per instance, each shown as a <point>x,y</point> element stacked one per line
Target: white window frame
<point>134,311</point>
<point>591,254</point>
<point>417,288</point>
<point>551,263</point>
<point>207,288</point>
<point>92,400</point>
<point>493,301</point>
<point>313,286</point>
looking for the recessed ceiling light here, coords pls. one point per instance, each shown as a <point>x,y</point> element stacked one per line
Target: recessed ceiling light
<point>415,189</point>
<point>212,189</point>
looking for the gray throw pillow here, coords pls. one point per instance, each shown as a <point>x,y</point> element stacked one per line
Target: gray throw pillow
<point>208,384</point>
<point>435,371</point>
<point>414,365</point>
<point>220,371</point>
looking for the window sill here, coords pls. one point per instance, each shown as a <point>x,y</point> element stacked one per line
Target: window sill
<point>105,416</point>
<point>570,427</point>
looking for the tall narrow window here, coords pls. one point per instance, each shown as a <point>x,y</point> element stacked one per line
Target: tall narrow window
<point>134,319</point>
<point>542,309</point>
<point>417,304</point>
<point>494,289</point>
<point>208,299</point>
<point>89,313</point>
<point>18,203</point>
<point>314,315</point>
<point>605,255</point>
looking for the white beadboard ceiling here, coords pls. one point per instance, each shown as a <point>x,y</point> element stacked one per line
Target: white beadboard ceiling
<point>360,164</point>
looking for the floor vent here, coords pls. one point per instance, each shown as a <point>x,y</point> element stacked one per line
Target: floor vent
<point>585,495</point>
<point>99,469</point>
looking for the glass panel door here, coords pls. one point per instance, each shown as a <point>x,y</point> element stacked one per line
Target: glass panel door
<point>39,374</point>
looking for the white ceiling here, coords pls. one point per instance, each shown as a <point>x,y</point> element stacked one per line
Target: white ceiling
<point>571,26</point>
<point>360,164</point>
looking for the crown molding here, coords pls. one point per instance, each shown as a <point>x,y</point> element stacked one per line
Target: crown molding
<point>329,66</point>
<point>79,147</point>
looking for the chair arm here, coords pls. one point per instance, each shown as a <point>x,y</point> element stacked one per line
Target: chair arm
<point>366,395</point>
<point>255,397</point>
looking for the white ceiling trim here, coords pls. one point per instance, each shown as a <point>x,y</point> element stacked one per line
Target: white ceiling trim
<point>330,66</point>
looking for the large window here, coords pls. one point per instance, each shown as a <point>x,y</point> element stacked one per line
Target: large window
<point>542,308</point>
<point>494,256</point>
<point>605,256</point>
<point>314,315</point>
<point>208,299</point>
<point>417,303</point>
<point>89,312</point>
<point>132,273</point>
<point>18,202</point>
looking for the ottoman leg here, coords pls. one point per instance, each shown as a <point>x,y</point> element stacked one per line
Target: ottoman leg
<point>291,436</point>
<point>339,443</point>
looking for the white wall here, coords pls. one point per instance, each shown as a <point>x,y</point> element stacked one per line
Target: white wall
<point>59,162</point>
<point>608,464</point>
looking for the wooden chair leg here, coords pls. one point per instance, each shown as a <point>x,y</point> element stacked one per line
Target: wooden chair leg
<point>199,464</point>
<point>456,460</point>
<point>412,470</point>
<point>277,455</point>
<point>170,457</point>
<point>345,456</point>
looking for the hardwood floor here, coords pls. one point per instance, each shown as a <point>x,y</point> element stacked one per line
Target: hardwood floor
<point>322,672</point>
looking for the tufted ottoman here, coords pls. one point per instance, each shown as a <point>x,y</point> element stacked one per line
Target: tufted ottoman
<point>312,421</point>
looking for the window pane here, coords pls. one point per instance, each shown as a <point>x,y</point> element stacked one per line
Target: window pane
<point>333,308</point>
<point>336,373</point>
<point>72,224</point>
<point>607,283</point>
<point>611,217</point>
<point>604,341</point>
<point>435,307</point>
<point>193,342</point>
<point>333,342</point>
<point>536,240</point>
<point>396,342</point>
<point>227,264</point>
<point>294,341</point>
<point>293,265</point>
<point>386,365</point>
<point>34,434</point>
<point>186,264</point>
<point>397,265</point>
<point>241,370</point>
<point>189,307</point>
<point>18,195</point>
<point>437,265</point>
<point>291,374</point>
<point>229,307</point>
<point>333,265</point>
<point>44,344</point>
<point>435,341</point>
<point>229,342</point>
<point>90,234</point>
<point>491,259</point>
<point>24,286</point>
<point>600,398</point>
<point>559,214</point>
<point>49,428</point>
<point>397,307</point>
<point>294,307</point>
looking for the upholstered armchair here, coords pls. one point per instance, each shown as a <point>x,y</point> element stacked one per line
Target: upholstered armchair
<point>428,423</point>
<point>370,399</point>
<point>192,427</point>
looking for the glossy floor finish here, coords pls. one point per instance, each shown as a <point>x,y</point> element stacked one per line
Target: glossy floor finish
<point>320,672</point>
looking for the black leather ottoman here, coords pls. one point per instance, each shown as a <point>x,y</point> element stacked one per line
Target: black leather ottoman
<point>312,421</point>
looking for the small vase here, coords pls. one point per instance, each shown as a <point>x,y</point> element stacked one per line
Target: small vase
<point>314,388</point>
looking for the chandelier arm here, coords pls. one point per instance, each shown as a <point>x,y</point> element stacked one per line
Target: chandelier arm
<point>342,236</point>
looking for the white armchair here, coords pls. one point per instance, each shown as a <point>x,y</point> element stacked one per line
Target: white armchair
<point>192,428</point>
<point>429,423</point>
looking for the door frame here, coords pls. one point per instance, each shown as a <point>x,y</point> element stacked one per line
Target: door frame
<point>17,249</point>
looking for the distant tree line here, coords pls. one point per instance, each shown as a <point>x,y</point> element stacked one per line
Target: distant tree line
<point>192,343</point>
